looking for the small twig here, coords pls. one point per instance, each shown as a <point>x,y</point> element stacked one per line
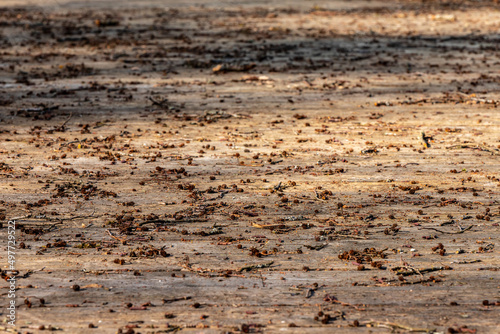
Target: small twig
<point>66,121</point>
<point>459,232</point>
<point>333,299</point>
<point>410,270</point>
<point>115,237</point>
<point>171,221</point>
<point>51,226</point>
<point>258,266</point>
<point>171,300</point>
<point>393,326</point>
<point>78,217</point>
<point>476,147</point>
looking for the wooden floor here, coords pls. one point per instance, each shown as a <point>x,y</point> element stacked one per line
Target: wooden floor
<point>250,166</point>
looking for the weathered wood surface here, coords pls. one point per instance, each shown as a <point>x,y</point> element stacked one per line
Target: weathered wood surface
<point>243,166</point>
